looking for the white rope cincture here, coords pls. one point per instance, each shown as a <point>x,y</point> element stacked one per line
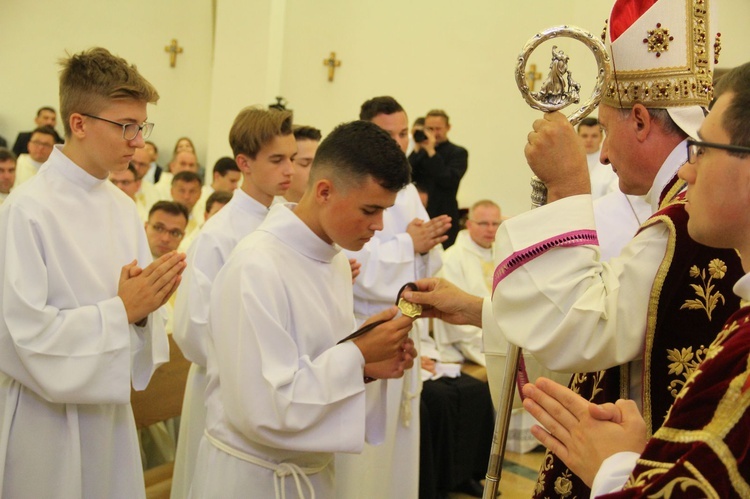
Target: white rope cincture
<point>281,470</point>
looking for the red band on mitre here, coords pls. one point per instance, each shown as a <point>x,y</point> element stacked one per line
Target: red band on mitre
<point>625,13</point>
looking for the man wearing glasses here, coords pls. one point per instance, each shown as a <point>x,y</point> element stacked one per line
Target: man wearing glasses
<point>165,230</point>
<point>635,326</point>
<point>703,444</point>
<point>40,147</point>
<point>469,264</point>
<point>79,296</point>
<point>165,227</point>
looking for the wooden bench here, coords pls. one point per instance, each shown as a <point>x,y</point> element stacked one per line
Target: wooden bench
<point>160,401</point>
<point>474,370</point>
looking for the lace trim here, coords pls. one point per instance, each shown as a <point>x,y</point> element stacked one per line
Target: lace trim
<point>519,258</point>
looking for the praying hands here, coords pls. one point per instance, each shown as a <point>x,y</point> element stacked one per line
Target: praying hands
<point>580,433</point>
<point>144,290</point>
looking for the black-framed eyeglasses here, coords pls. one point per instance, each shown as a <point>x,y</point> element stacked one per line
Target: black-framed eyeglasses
<point>695,149</point>
<point>173,233</point>
<point>129,130</point>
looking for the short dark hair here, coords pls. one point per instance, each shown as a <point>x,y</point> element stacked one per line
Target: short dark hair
<point>737,116</point>
<point>419,121</point>
<point>170,207</point>
<point>187,176</point>
<point>440,113</point>
<point>360,149</point>
<point>384,104</point>
<point>221,197</point>
<point>132,170</point>
<point>46,130</point>
<point>45,108</point>
<point>662,118</point>
<point>588,122</point>
<point>225,165</point>
<point>6,155</point>
<point>302,132</point>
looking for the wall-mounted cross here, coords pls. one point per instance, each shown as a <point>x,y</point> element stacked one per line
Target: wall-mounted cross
<point>332,64</point>
<point>532,76</point>
<point>173,49</point>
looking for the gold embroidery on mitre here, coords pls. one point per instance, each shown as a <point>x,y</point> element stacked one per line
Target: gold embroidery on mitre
<point>604,31</point>
<point>658,40</point>
<point>717,48</point>
<point>669,86</point>
<point>707,300</point>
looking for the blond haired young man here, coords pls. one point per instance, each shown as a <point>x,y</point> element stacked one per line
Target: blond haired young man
<point>263,146</point>
<point>77,325</point>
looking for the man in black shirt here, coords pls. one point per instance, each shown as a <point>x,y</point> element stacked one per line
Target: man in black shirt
<point>45,116</point>
<point>438,166</point>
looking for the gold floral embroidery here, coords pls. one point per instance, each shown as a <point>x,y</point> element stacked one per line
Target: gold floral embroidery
<point>649,474</point>
<point>706,300</point>
<point>580,378</point>
<point>546,466</point>
<point>563,484</point>
<point>683,363</point>
<point>716,345</point>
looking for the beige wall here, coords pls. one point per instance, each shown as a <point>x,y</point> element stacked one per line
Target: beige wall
<point>34,35</point>
<point>427,53</point>
<point>459,56</point>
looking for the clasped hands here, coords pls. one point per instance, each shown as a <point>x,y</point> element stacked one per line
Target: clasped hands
<point>144,290</point>
<point>427,235</point>
<point>583,434</point>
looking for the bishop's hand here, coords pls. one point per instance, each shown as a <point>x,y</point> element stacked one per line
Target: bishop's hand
<point>556,155</point>
<point>443,300</point>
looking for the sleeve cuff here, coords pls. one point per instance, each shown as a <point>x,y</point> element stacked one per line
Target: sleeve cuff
<point>613,473</point>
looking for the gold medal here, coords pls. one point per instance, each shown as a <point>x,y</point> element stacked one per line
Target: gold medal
<point>409,309</point>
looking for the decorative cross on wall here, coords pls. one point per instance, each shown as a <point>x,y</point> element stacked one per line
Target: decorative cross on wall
<point>332,64</point>
<point>173,49</point>
<point>532,76</point>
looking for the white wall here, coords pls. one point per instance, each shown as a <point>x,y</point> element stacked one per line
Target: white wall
<point>247,64</point>
<point>459,56</point>
<point>34,35</point>
<point>427,53</point>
